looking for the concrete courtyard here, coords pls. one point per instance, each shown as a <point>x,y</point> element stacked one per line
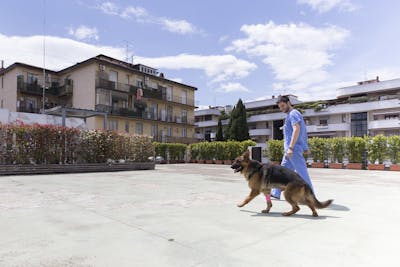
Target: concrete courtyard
<point>186,215</point>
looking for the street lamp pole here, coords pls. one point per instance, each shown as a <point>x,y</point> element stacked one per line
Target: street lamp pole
<point>44,55</point>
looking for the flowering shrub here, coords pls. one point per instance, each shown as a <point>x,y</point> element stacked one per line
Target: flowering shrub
<point>49,144</point>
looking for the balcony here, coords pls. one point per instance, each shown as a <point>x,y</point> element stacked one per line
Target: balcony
<point>332,127</point>
<point>384,124</point>
<point>141,114</point>
<point>37,89</point>
<point>258,132</point>
<point>29,88</point>
<point>211,123</point>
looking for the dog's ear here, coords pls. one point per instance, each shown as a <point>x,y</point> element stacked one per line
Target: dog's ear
<point>246,155</point>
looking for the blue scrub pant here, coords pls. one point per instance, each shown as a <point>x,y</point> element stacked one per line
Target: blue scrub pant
<point>298,164</point>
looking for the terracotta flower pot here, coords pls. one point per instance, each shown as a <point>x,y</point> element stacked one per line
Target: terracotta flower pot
<point>379,167</point>
<point>395,167</point>
<point>275,163</point>
<point>317,165</point>
<point>218,161</point>
<point>336,165</point>
<point>209,161</point>
<point>354,166</point>
<point>227,161</point>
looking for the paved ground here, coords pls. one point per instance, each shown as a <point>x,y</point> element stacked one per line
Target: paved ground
<point>186,215</point>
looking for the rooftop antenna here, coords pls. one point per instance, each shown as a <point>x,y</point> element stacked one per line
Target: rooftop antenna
<point>44,54</point>
<point>127,43</point>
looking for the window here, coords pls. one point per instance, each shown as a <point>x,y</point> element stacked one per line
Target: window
<point>343,118</point>
<point>139,128</point>
<point>169,93</point>
<point>127,126</point>
<point>323,122</point>
<point>359,124</point>
<point>139,83</point>
<point>127,79</point>
<point>184,97</point>
<point>113,125</point>
<point>153,130</point>
<point>103,97</point>
<point>32,78</point>
<point>184,116</point>
<point>114,78</point>
<point>184,132</point>
<point>169,113</point>
<point>169,131</point>
<point>208,117</point>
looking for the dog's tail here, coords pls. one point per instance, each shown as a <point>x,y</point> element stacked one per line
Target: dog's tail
<point>321,205</point>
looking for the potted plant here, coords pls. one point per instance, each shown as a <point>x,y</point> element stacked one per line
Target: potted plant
<point>355,147</point>
<point>275,151</point>
<point>394,152</point>
<point>337,149</point>
<point>219,152</point>
<point>377,151</point>
<point>317,147</point>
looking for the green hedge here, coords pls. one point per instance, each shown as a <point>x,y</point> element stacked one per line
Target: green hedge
<point>170,151</point>
<point>275,150</point>
<point>49,144</point>
<point>219,150</point>
<point>379,148</point>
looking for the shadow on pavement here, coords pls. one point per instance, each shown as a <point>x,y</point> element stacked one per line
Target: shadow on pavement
<point>279,214</point>
<point>334,206</point>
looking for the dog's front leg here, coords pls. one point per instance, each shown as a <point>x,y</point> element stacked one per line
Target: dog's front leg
<point>253,194</point>
<point>267,193</point>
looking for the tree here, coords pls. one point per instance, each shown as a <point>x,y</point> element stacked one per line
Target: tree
<point>220,135</point>
<point>238,128</point>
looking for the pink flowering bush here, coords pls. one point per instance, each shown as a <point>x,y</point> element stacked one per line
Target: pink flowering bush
<point>49,144</point>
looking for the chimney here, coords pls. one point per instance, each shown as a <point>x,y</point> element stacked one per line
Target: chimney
<point>161,75</point>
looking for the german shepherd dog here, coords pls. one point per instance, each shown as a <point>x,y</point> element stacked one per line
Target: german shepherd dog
<point>262,178</point>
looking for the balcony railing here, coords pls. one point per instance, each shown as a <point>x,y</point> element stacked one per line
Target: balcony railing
<point>260,132</point>
<point>384,124</point>
<point>148,92</point>
<point>37,89</point>
<point>141,114</point>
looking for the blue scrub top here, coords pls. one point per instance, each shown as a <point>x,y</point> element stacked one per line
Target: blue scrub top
<point>292,118</point>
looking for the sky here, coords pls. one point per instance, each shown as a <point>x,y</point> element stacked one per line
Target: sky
<point>228,49</point>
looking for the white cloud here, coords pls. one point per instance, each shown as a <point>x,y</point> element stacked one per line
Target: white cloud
<point>223,38</point>
<point>326,5</point>
<point>84,33</point>
<point>232,87</point>
<point>64,52</point>
<point>140,14</point>
<point>298,54</point>
<point>178,26</point>
<point>218,68</point>
<point>109,8</point>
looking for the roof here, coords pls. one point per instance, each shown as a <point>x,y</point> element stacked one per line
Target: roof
<point>18,64</point>
<point>121,64</point>
<point>98,58</point>
<point>368,88</point>
<point>268,102</point>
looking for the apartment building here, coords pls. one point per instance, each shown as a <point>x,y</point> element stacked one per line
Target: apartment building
<point>368,108</point>
<point>136,98</point>
<point>206,122</point>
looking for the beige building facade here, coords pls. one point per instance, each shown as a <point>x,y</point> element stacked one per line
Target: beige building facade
<point>136,99</point>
